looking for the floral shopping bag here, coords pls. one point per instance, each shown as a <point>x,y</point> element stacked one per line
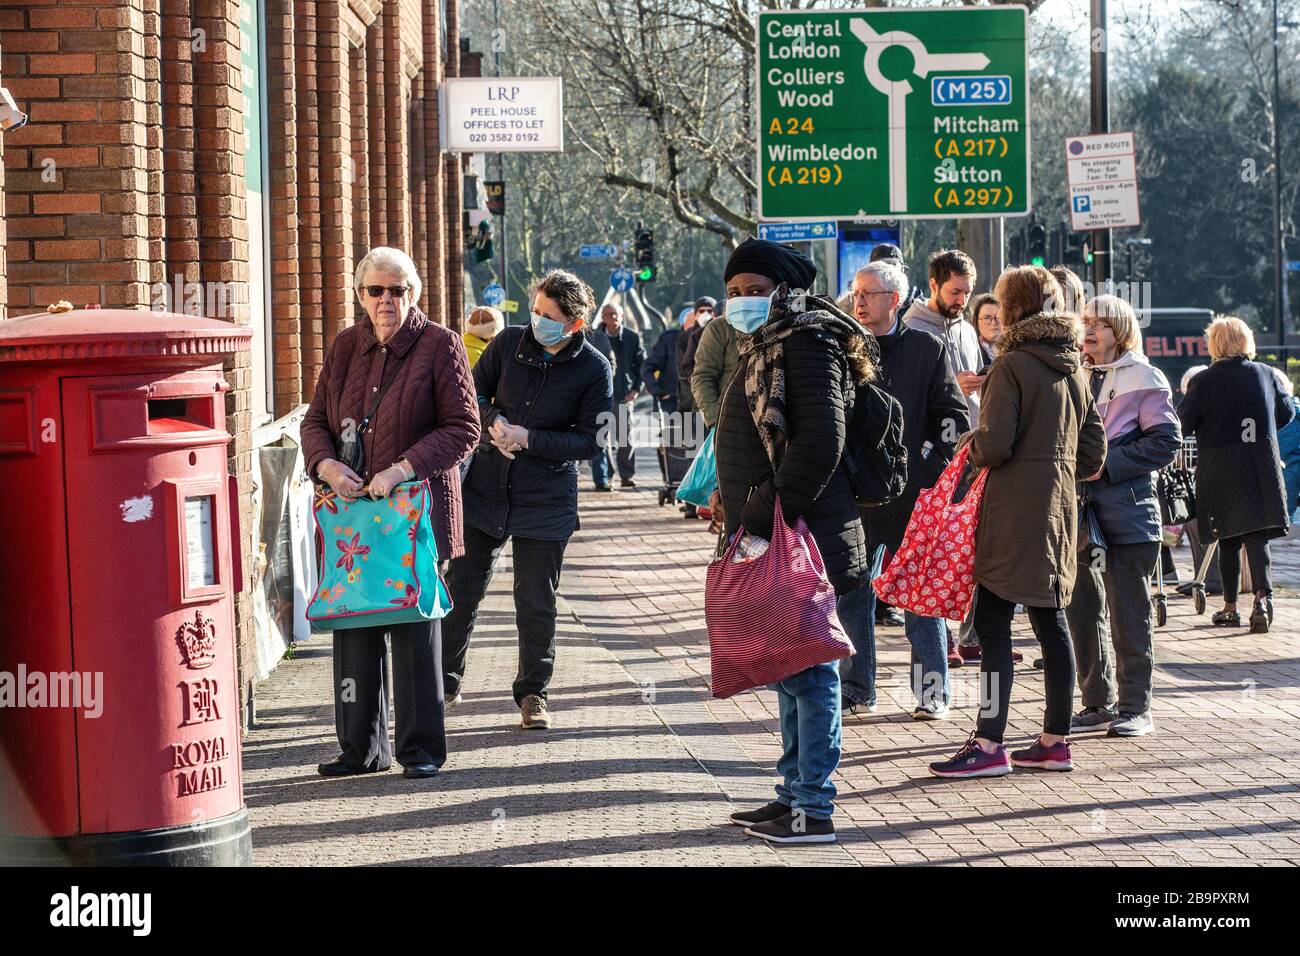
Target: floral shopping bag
<point>378,561</point>
<point>933,572</point>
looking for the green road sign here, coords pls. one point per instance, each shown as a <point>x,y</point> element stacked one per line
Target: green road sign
<point>893,113</point>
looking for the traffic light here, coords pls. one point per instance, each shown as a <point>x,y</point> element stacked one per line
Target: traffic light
<point>1073,249</point>
<point>645,254</point>
<point>1038,244</point>
<point>1015,249</point>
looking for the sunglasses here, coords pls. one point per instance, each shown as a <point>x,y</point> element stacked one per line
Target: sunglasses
<point>377,291</point>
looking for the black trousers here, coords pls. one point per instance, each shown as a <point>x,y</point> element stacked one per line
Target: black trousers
<point>361,695</point>
<point>993,624</point>
<point>1258,557</point>
<point>537,576</point>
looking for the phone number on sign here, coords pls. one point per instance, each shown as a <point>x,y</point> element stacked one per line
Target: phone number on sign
<point>504,138</point>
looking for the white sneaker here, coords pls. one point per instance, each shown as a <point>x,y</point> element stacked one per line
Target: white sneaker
<point>935,711</point>
<point>451,703</point>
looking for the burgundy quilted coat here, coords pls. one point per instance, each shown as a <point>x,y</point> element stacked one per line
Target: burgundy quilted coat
<point>429,415</point>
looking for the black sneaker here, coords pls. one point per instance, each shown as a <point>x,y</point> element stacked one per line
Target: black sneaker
<point>628,482</point>
<point>604,488</point>
<point>1090,718</point>
<point>890,617</point>
<point>745,818</point>
<point>794,827</point>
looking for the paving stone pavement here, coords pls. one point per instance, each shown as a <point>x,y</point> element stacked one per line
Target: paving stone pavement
<point>644,765</point>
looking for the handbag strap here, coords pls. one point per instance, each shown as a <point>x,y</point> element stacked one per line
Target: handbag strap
<point>389,379</point>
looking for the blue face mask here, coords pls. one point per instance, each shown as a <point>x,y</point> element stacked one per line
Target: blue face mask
<point>746,313</point>
<point>548,332</point>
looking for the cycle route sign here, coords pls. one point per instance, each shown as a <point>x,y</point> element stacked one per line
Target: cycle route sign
<point>889,113</point>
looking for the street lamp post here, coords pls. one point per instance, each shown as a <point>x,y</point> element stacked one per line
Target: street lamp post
<point>1101,253</point>
<point>1279,253</point>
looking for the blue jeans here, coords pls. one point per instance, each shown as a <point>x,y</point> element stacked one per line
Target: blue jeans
<point>810,737</point>
<point>927,635</point>
<point>857,611</point>
<point>600,468</point>
<point>929,639</point>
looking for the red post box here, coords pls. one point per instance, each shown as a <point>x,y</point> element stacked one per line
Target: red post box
<point>119,725</point>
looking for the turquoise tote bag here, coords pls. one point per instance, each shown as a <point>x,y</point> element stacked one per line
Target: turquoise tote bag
<point>378,561</point>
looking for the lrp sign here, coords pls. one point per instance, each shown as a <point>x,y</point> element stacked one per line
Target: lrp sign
<point>502,114</point>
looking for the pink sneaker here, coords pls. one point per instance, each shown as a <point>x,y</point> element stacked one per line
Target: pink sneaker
<point>1038,757</point>
<point>972,761</point>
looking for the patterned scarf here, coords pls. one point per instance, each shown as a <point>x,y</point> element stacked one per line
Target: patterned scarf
<point>764,353</point>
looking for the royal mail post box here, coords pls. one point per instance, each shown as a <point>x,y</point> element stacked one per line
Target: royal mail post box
<point>119,730</point>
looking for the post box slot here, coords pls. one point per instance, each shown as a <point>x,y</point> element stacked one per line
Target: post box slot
<point>170,415</point>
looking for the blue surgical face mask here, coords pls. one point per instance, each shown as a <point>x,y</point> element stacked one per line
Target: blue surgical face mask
<point>549,332</point>
<point>746,313</point>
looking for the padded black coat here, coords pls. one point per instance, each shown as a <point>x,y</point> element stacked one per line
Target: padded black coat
<point>1235,408</point>
<point>560,401</point>
<point>812,480</point>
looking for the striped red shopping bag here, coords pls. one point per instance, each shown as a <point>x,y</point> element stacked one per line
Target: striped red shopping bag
<point>933,572</point>
<point>772,617</point>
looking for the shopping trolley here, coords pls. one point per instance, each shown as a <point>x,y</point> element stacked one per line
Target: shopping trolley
<point>1178,490</point>
<point>674,456</point>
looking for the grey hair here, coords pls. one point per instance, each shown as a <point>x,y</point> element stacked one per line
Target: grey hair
<point>388,259</point>
<point>890,276</point>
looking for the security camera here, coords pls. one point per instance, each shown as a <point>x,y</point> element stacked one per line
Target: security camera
<point>11,117</point>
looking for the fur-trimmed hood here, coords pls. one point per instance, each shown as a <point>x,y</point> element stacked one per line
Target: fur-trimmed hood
<point>1053,338</point>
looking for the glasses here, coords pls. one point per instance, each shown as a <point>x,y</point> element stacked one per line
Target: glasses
<point>863,295</point>
<point>377,291</point>
<point>1095,325</point>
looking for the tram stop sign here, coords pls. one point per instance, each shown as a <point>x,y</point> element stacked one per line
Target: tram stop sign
<point>918,113</point>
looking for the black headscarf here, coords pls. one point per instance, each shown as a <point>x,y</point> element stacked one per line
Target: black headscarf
<point>779,263</point>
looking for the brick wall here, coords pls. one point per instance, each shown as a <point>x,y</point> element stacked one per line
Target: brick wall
<point>130,177</point>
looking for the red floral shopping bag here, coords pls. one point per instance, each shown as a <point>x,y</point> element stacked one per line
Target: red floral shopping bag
<point>933,572</point>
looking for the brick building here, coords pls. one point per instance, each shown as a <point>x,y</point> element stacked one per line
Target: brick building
<point>232,158</point>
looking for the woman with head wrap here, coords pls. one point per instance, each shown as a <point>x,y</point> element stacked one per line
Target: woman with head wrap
<point>781,429</point>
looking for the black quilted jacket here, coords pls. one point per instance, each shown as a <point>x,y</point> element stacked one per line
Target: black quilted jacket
<point>560,401</point>
<point>812,481</point>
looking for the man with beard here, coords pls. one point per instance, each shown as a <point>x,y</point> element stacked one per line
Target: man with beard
<point>952,279</point>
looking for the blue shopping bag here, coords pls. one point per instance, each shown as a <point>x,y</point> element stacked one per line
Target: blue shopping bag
<point>702,477</point>
<point>378,561</point>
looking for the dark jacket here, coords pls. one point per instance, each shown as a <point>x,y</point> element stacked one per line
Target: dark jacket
<point>915,370</point>
<point>660,369</point>
<point>714,362</point>
<point>428,415</point>
<point>684,352</point>
<point>560,401</point>
<point>1235,408</point>
<point>1039,433</point>
<point>1288,440</point>
<point>811,481</point>
<point>625,356</point>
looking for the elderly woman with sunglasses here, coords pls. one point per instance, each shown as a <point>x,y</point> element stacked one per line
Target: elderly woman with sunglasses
<point>399,385</point>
